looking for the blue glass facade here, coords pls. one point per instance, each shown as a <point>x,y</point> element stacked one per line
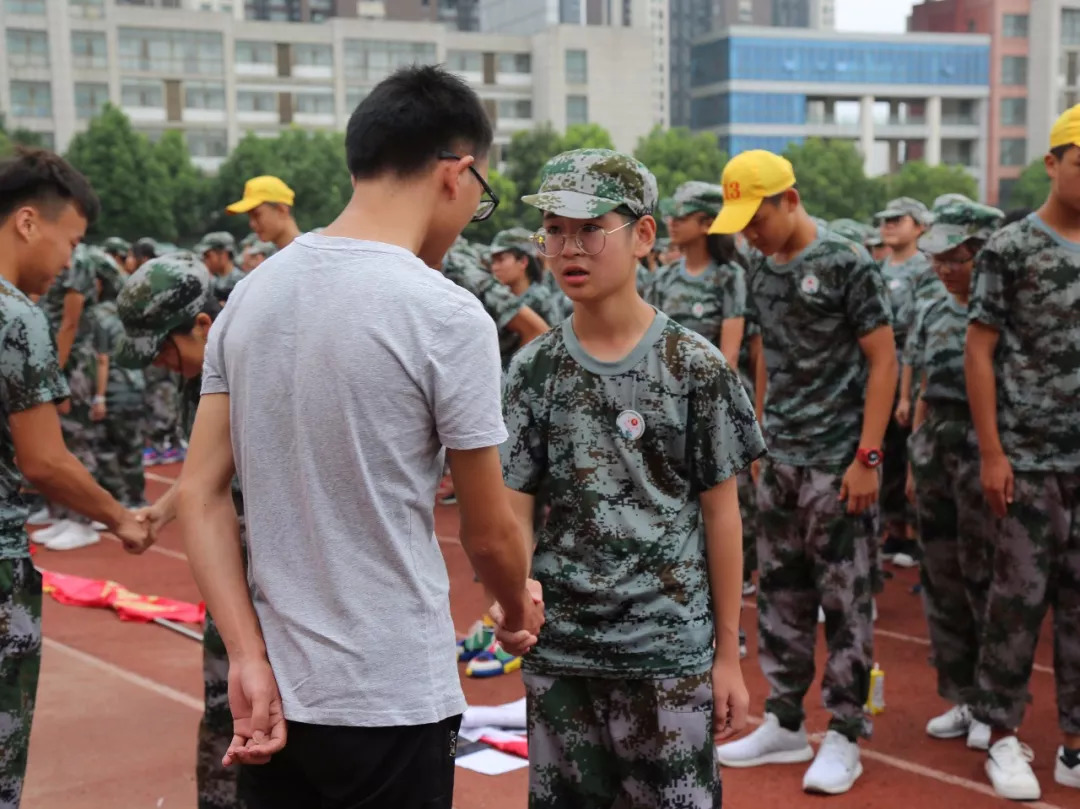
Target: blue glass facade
<point>737,144</point>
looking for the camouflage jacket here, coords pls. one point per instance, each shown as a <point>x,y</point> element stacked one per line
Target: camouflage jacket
<point>812,312</point>
<point>1027,287</point>
<point>936,346</point>
<point>538,298</point>
<point>621,452</point>
<point>499,302</point>
<point>29,376</point>
<point>701,302</point>
<point>901,281</point>
<point>223,285</point>
<point>79,278</point>
<point>126,386</point>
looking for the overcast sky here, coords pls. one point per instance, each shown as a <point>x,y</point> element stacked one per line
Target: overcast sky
<point>886,16</point>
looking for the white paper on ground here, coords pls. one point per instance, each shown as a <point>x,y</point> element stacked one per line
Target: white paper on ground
<point>475,734</point>
<point>491,762</point>
<point>509,716</point>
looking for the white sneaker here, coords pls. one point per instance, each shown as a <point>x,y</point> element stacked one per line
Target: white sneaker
<point>1009,769</point>
<point>748,589</point>
<point>98,526</point>
<point>821,615</point>
<point>978,736</point>
<point>769,744</point>
<point>873,610</point>
<point>836,768</point>
<point>43,535</point>
<point>40,517</point>
<point>76,536</point>
<point>1064,774</point>
<point>905,560</point>
<point>952,724</point>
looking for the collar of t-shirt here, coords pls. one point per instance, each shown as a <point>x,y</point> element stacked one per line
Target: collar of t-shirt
<point>637,353</point>
<point>1038,222</point>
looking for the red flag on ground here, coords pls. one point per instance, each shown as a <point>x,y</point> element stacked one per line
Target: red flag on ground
<point>79,592</point>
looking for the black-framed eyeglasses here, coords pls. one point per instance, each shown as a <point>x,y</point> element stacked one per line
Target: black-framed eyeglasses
<point>489,202</point>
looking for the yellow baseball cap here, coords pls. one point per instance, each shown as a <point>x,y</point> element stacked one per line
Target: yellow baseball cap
<point>748,179</point>
<point>258,190</point>
<point>1066,131</point>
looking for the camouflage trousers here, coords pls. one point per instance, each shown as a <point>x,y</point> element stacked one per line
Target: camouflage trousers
<point>621,744</point>
<point>955,530</point>
<point>162,399</point>
<point>896,511</point>
<point>812,553</point>
<point>20,663</point>
<point>749,511</point>
<point>1036,566</point>
<point>216,783</point>
<point>119,442</point>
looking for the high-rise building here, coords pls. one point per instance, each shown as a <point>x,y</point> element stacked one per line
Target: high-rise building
<point>1054,78</point>
<point>298,10</point>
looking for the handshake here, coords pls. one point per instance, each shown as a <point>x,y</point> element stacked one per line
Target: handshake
<point>139,527</point>
<point>517,626</point>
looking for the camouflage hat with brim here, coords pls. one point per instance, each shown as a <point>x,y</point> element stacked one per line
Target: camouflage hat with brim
<point>513,239</point>
<point>264,249</point>
<point>116,246</point>
<point>697,197</point>
<point>905,206</point>
<point>957,223</point>
<point>164,294</point>
<point>587,183</point>
<point>948,199</point>
<point>219,240</point>
<point>248,240</point>
<point>851,229</point>
<point>665,208</point>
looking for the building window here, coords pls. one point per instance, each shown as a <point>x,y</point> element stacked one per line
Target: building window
<point>255,101</point>
<point>314,104</point>
<point>1013,111</point>
<point>515,63</point>
<point>1070,26</point>
<point>212,143</point>
<point>1015,25</point>
<point>577,67</point>
<point>465,61</point>
<point>310,55</point>
<point>27,48</point>
<point>137,93</point>
<point>1013,151</point>
<point>88,9</point>
<point>204,95</point>
<point>89,50</point>
<point>1014,70</point>
<point>31,99</point>
<point>371,60</point>
<point>577,110</point>
<point>520,109</point>
<point>31,7</point>
<point>255,53</point>
<point>166,51</point>
<point>90,99</point>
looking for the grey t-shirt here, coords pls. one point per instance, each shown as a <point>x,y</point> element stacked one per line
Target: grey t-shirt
<point>350,366</point>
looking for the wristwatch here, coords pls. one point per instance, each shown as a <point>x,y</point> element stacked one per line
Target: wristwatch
<point>870,458</point>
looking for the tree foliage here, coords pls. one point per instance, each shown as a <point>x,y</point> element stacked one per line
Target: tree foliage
<point>676,156</point>
<point>1031,188</point>
<point>188,188</point>
<point>831,180</point>
<point>926,183</point>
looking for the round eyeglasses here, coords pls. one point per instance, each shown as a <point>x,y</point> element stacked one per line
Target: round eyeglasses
<point>590,239</point>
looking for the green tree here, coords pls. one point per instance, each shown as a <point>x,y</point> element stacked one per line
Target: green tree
<point>831,180</point>
<point>1031,188</point>
<point>529,150</point>
<point>676,156</point>
<point>133,186</point>
<point>585,136</point>
<point>188,188</point>
<point>926,183</point>
<point>505,216</point>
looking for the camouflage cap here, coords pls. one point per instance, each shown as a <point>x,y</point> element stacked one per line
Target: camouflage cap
<point>218,240</point>
<point>162,295</point>
<point>264,249</point>
<point>945,199</point>
<point>850,229</point>
<point>905,206</point>
<point>104,268</point>
<point>116,246</point>
<point>513,239</point>
<point>957,222</point>
<point>146,247</point>
<point>665,208</point>
<point>248,240</point>
<point>697,197</point>
<point>587,183</point>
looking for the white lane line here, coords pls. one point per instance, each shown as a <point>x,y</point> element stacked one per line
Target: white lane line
<point>159,478</point>
<point>153,686</point>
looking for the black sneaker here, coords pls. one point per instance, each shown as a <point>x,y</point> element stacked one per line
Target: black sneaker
<point>893,545</point>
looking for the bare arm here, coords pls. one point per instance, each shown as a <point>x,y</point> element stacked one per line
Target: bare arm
<point>527,324</point>
<point>69,326</point>
<point>731,337</point>
<point>102,381</point>
<point>879,348</point>
<point>524,508</point>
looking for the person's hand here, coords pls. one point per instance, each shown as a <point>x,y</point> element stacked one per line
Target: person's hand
<point>258,718</point>
<point>64,407</point>
<point>97,411</point>
<point>517,630</point>
<point>154,518</point>
<point>903,412</point>
<point>755,471</point>
<point>134,534</point>
<point>909,486</point>
<point>731,700</point>
<point>859,487</point>
<point>997,481</point>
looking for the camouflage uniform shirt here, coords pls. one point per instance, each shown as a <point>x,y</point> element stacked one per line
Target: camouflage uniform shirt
<point>936,345</point>
<point>29,376</point>
<point>223,285</point>
<point>1027,286</point>
<point>902,280</point>
<point>538,298</point>
<point>812,312</point>
<point>127,387</point>
<point>701,302</point>
<point>498,301</point>
<point>622,451</point>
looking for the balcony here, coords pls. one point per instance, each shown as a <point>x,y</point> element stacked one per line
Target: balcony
<point>146,115</point>
<point>315,72</point>
<point>258,117</point>
<point>323,119</point>
<point>263,69</point>
<point>202,116</point>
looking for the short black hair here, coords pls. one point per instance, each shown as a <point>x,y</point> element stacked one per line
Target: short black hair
<point>144,248</point>
<point>47,181</point>
<point>1060,152</point>
<point>411,117</point>
<point>532,266</point>
<point>1015,215</point>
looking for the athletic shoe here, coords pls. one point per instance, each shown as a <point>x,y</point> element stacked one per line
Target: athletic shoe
<point>743,651</point>
<point>748,589</point>
<point>479,638</point>
<point>151,457</point>
<point>978,736</point>
<point>908,555</point>
<point>836,767</point>
<point>43,535</point>
<point>952,724</point>
<point>891,547</point>
<point>492,662</point>
<point>821,615</point>
<point>1067,769</point>
<point>40,517</point>
<point>768,744</point>
<point>449,500</point>
<point>76,536</point>
<point>173,455</point>
<point>98,526</point>
<point>1009,769</point>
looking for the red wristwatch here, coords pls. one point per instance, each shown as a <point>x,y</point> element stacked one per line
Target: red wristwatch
<point>870,458</point>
